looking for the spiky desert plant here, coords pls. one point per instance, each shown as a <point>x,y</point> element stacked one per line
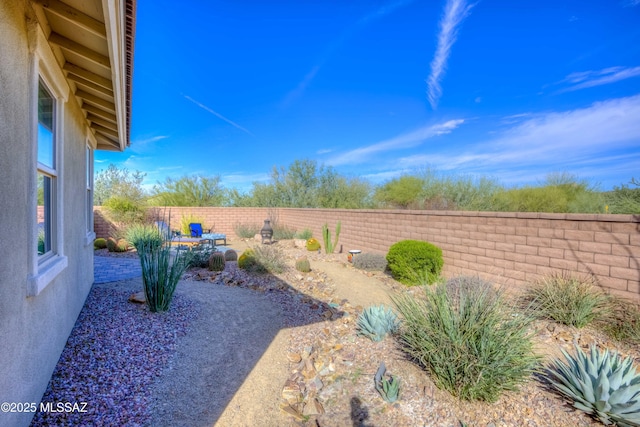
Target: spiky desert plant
<point>602,384</point>
<point>161,272</point>
<point>377,321</point>
<point>230,255</point>
<point>471,341</point>
<point>216,261</point>
<point>387,385</point>
<point>330,246</point>
<point>303,265</point>
<point>138,234</point>
<point>568,299</point>
<point>111,244</point>
<point>121,246</point>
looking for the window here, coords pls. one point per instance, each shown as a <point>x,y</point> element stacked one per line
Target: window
<point>46,171</point>
<point>50,92</point>
<point>90,235</point>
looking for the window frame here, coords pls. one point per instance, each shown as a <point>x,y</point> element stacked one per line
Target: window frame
<point>89,165</point>
<point>46,71</point>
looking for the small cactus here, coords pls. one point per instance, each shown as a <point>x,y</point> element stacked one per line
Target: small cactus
<point>313,245</point>
<point>216,261</point>
<point>303,265</point>
<point>100,243</point>
<point>230,255</point>
<point>389,388</point>
<point>247,259</point>
<point>111,244</point>
<point>122,246</point>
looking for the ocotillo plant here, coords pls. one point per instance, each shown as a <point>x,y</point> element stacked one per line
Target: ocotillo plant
<point>326,234</point>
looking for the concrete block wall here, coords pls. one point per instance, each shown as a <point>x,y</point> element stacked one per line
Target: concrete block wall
<point>512,249</point>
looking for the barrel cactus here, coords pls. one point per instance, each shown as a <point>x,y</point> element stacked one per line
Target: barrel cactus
<point>376,321</point>
<point>100,243</point>
<point>303,265</point>
<point>313,244</point>
<point>602,384</point>
<point>247,259</point>
<point>216,261</point>
<point>230,255</point>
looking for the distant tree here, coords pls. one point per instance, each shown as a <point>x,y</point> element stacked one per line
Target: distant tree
<point>339,192</point>
<point>625,199</point>
<point>194,190</point>
<point>120,183</point>
<point>402,192</point>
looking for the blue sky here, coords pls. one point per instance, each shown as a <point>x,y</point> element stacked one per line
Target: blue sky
<point>512,90</point>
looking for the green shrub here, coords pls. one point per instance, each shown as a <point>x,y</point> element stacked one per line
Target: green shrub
<point>567,299</point>
<point>305,234</point>
<point>230,255</point>
<point>313,245</point>
<point>408,259</point>
<point>303,265</point>
<point>125,210</point>
<point>370,262</point>
<point>160,274</point>
<point>468,338</point>
<point>601,384</point>
<point>216,261</point>
<point>246,231</point>
<point>100,243</point>
<point>138,234</point>
<point>376,321</point>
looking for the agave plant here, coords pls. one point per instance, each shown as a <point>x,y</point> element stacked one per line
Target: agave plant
<point>602,384</point>
<point>376,321</point>
<point>389,388</point>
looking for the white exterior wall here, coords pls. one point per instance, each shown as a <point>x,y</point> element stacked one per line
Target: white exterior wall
<point>34,328</point>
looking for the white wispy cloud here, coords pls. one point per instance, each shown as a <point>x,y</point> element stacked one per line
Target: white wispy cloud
<point>597,138</point>
<point>631,3</point>
<point>142,144</point>
<point>592,78</point>
<point>455,12</point>
<point>218,115</point>
<point>411,139</point>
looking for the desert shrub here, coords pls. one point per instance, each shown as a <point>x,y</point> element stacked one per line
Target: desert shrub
<point>600,383</point>
<point>187,219</point>
<point>408,259</point>
<point>125,210</point>
<point>269,259</point>
<point>624,322</point>
<point>468,338</point>
<point>100,243</point>
<point>199,256</point>
<point>625,199</point>
<point>138,234</point>
<point>246,231</point>
<point>121,246</point>
<point>216,261</point>
<point>282,232</point>
<point>313,245</point>
<point>230,255</point>
<point>305,234</point>
<point>303,265</point>
<point>370,262</point>
<point>568,299</point>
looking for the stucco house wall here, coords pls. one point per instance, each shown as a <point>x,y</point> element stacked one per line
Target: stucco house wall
<point>39,301</point>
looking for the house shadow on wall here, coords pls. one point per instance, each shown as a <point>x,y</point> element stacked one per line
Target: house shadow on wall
<point>233,330</point>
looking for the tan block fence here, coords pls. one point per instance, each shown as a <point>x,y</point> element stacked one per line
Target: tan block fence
<point>512,249</point>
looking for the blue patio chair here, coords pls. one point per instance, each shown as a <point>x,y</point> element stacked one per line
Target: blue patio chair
<point>196,229</point>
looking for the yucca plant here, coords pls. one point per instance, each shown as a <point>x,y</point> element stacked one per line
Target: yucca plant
<point>377,321</point>
<point>387,386</point>
<point>602,384</point>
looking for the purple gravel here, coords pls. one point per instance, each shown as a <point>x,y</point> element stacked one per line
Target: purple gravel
<point>114,353</point>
